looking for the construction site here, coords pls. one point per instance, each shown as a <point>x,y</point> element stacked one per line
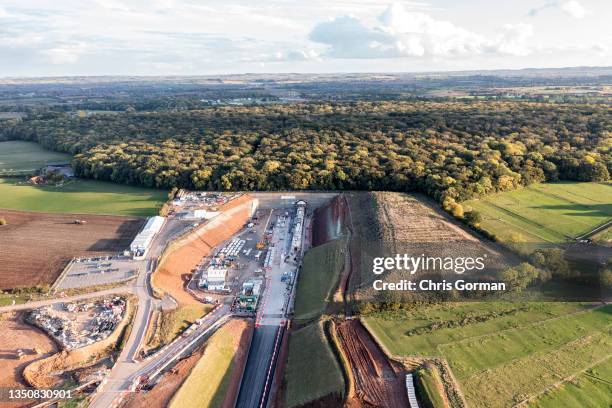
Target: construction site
<point>76,325</point>
<point>243,257</point>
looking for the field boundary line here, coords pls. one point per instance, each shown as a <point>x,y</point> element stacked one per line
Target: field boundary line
<point>551,194</point>
<point>561,382</point>
<point>456,386</point>
<point>523,230</point>
<point>529,221</point>
<point>533,324</point>
<point>596,230</point>
<point>61,277</point>
<point>545,352</point>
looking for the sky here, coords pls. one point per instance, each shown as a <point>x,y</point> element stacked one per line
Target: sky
<point>211,37</point>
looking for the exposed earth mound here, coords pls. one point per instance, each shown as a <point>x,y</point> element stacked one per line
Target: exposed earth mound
<point>185,254</point>
<point>379,381</point>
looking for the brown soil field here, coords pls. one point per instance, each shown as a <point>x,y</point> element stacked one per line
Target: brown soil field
<point>177,264</point>
<point>35,247</point>
<point>379,381</point>
<point>15,334</point>
<point>405,218</point>
<point>388,223</point>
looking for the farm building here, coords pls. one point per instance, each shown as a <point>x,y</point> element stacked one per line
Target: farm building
<point>141,243</point>
<point>63,169</point>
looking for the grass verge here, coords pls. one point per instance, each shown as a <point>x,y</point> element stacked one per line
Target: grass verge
<point>312,370</point>
<point>319,275</point>
<point>429,387</point>
<point>209,380</point>
<point>171,323</point>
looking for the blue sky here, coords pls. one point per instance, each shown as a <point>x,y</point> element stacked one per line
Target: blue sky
<point>189,37</point>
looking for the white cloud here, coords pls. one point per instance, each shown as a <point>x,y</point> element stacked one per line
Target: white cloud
<point>574,9</point>
<point>514,39</point>
<point>299,55</point>
<point>404,33</point>
<point>348,37</point>
<point>67,53</point>
<point>219,36</point>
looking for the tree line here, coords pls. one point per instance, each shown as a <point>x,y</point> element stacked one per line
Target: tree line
<point>452,151</point>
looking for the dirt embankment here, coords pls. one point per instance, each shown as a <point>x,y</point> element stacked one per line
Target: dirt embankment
<point>47,373</point>
<point>185,254</point>
<point>379,381</point>
<point>15,335</point>
<point>405,218</point>
<point>329,221</point>
<point>35,247</point>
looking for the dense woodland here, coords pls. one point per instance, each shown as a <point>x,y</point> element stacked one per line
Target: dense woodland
<point>452,151</point>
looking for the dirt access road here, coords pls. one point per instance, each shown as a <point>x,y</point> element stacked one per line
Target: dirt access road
<point>16,335</point>
<point>379,382</point>
<point>120,377</point>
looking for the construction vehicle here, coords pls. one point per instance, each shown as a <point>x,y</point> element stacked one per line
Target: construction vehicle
<point>260,245</point>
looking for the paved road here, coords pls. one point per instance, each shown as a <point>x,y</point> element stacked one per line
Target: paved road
<point>257,366</point>
<point>126,371</point>
<point>125,367</point>
<point>40,303</point>
<point>271,319</point>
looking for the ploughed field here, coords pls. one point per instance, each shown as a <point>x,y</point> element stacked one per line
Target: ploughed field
<point>545,213</point>
<point>385,224</point>
<point>506,353</point>
<point>35,247</point>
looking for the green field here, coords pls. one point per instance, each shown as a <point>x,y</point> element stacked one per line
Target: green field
<point>545,213</point>
<point>173,322</point>
<point>81,196</point>
<point>20,157</point>
<point>312,370</point>
<point>593,388</point>
<point>209,380</point>
<point>504,351</point>
<point>318,277</point>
